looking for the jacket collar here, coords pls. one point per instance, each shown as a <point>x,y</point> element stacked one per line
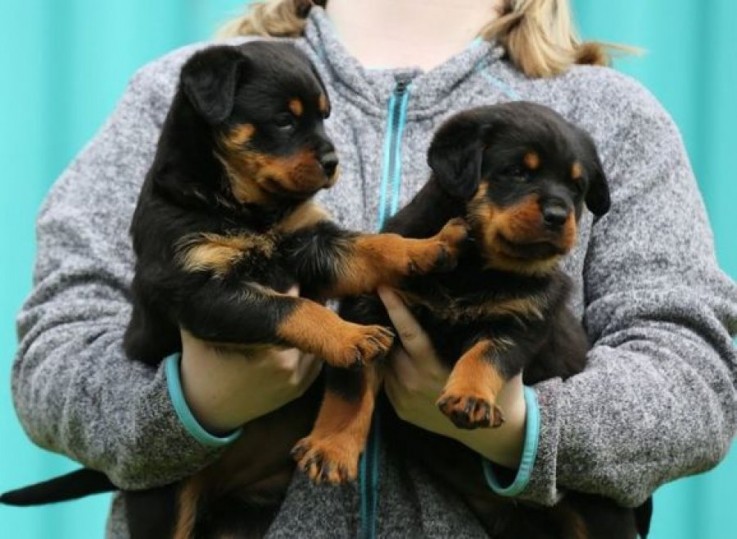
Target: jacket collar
<point>370,89</point>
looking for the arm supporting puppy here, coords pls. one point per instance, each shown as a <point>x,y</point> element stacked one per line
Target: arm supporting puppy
<point>225,389</point>
<point>416,379</point>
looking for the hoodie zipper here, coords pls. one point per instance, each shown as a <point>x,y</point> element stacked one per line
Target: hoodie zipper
<point>391,176</point>
<point>369,482</point>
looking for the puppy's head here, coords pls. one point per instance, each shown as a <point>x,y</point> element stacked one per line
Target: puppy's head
<point>525,174</point>
<point>265,105</point>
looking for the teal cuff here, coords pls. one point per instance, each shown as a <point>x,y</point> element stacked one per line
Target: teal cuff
<point>529,452</point>
<point>187,419</point>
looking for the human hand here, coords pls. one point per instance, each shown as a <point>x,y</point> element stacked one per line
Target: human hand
<point>415,379</point>
<point>225,389</point>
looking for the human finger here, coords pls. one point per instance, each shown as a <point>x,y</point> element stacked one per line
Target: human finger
<point>413,337</point>
<point>308,369</point>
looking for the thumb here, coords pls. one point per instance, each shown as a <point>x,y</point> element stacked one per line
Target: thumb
<point>414,339</point>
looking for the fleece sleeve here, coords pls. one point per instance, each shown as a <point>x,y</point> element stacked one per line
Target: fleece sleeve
<point>74,390</point>
<point>657,400</point>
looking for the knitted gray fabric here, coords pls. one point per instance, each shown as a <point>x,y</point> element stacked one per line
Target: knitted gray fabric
<point>657,401</point>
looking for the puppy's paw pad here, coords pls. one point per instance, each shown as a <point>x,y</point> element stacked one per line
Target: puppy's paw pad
<point>470,412</point>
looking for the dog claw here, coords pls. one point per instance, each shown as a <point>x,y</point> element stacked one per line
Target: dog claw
<point>325,464</point>
<point>298,451</point>
<point>364,344</point>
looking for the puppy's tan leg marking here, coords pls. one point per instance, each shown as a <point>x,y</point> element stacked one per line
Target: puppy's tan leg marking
<point>330,453</point>
<point>384,259</point>
<point>316,329</point>
<point>469,396</point>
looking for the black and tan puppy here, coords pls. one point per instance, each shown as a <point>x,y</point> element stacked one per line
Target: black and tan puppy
<point>225,225</point>
<point>520,175</point>
<point>230,195</point>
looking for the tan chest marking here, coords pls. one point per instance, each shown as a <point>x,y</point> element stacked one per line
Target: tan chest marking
<point>306,215</point>
<point>218,253</point>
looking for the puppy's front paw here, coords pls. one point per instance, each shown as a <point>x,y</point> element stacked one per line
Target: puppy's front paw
<point>359,345</point>
<point>454,233</point>
<point>331,460</point>
<point>469,411</point>
<point>442,250</point>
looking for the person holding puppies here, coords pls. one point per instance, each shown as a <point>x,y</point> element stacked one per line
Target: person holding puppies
<point>655,402</point>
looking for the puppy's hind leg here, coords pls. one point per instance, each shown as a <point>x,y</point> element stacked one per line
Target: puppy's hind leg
<point>331,452</point>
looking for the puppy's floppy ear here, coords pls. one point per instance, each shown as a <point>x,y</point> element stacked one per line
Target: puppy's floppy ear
<point>597,196</point>
<point>209,81</point>
<point>456,154</point>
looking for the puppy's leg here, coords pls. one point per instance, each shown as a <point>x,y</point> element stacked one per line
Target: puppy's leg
<point>314,328</point>
<point>330,453</point>
<point>469,396</point>
<point>332,450</point>
<point>337,263</point>
<point>151,513</point>
<point>253,315</point>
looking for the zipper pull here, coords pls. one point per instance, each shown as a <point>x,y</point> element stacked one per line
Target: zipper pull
<point>401,87</point>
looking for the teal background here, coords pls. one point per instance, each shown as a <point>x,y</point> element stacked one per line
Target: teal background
<point>64,65</point>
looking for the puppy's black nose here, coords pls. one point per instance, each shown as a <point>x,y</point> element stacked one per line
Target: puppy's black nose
<point>329,163</point>
<point>554,216</point>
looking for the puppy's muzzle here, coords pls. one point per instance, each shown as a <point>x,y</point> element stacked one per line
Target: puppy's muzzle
<point>329,163</point>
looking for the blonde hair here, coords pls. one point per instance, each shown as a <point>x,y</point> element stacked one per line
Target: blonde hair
<point>538,35</point>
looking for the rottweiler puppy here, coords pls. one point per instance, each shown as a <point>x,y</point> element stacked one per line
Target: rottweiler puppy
<point>520,175</point>
<point>225,225</point>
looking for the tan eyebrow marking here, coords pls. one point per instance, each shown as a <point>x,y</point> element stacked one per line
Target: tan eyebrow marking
<point>532,160</point>
<point>576,171</point>
<point>322,103</point>
<point>296,106</point>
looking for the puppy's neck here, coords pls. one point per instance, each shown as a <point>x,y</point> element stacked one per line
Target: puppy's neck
<point>530,268</point>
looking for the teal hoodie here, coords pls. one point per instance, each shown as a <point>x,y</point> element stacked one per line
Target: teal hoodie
<point>656,402</point>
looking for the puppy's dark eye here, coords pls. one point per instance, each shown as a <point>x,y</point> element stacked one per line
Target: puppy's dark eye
<point>517,173</point>
<point>285,121</point>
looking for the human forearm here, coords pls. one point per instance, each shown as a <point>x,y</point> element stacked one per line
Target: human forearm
<point>416,380</point>
<point>638,418</point>
<point>226,389</point>
<point>75,393</point>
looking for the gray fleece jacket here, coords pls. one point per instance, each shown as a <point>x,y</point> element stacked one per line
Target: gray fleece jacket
<point>657,401</point>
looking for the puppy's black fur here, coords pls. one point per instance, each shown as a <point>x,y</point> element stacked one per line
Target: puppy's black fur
<point>520,175</point>
<point>225,225</point>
